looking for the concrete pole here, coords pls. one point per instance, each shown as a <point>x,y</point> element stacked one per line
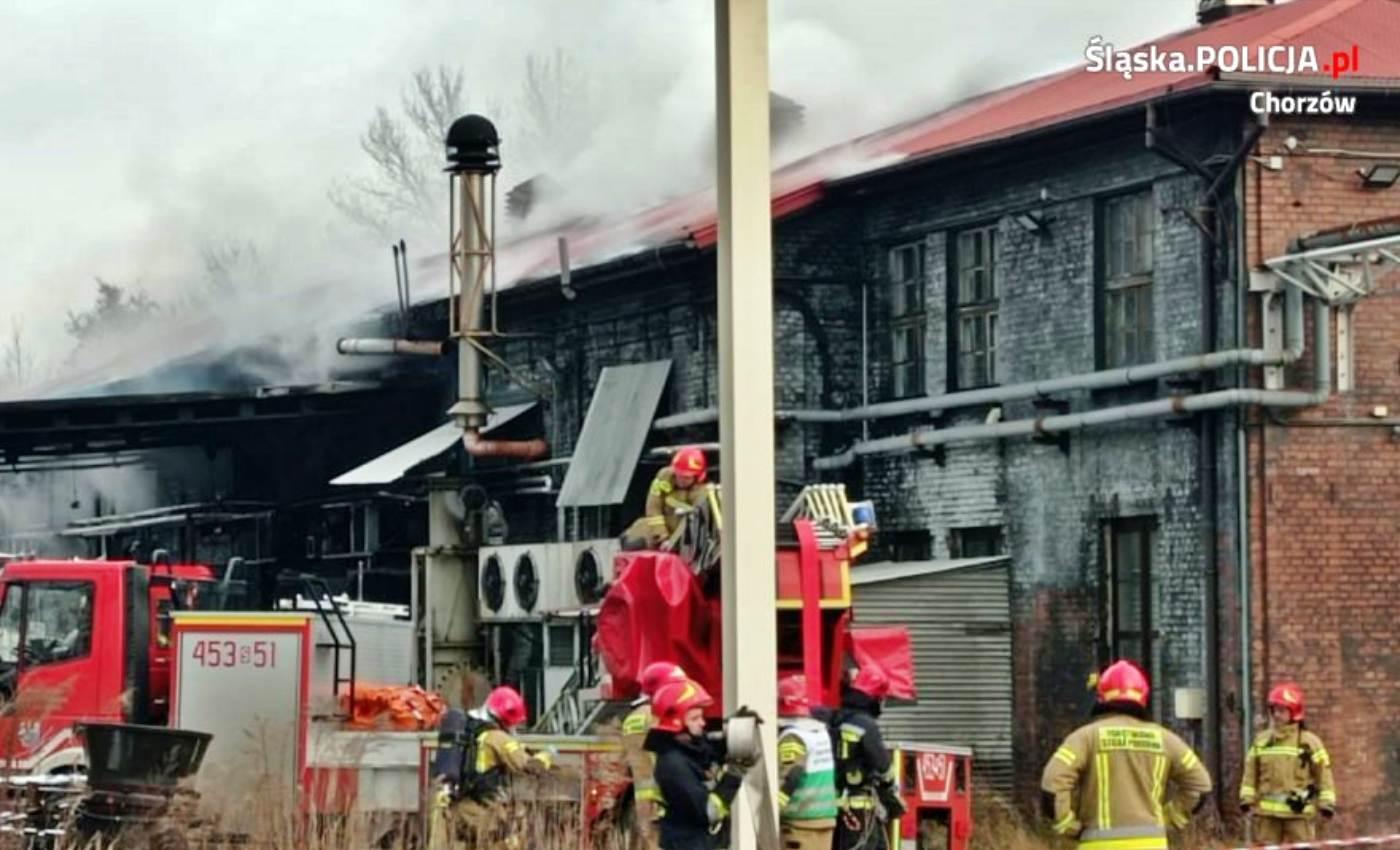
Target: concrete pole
<point>746,384</point>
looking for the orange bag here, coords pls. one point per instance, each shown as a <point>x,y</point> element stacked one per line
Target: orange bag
<point>406,708</point>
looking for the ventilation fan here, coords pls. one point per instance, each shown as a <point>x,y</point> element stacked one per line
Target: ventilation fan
<point>588,577</point>
<point>527,583</point>
<point>493,584</point>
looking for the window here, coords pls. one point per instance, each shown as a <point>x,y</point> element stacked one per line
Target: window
<point>914,544</point>
<point>1129,586</point>
<point>1129,223</point>
<point>906,307</point>
<point>976,307</point>
<point>978,542</point>
<point>53,621</point>
<point>561,645</point>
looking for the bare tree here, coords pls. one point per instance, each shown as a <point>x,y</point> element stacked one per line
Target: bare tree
<point>556,107</point>
<point>231,265</point>
<point>406,156</point>
<point>405,188</point>
<point>18,361</point>
<point>117,309</point>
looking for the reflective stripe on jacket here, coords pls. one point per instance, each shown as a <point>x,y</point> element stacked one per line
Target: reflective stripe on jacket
<point>1110,780</point>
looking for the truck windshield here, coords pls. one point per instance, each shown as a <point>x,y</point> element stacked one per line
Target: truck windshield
<point>56,619</point>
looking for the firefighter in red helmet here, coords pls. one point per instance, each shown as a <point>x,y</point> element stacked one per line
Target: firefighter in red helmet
<point>868,797</point>
<point>635,727</point>
<point>807,771</point>
<point>1122,780</point>
<point>1287,774</point>
<point>490,756</point>
<point>674,493</point>
<point>696,807</point>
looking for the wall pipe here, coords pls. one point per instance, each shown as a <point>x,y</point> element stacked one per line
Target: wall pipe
<point>928,437</point>
<point>1105,379</point>
<point>363,345</point>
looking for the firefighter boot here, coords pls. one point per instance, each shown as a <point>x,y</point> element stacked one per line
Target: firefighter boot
<point>795,838</point>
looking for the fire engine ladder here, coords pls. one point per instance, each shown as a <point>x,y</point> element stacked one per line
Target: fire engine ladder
<point>342,640</point>
<point>570,714</point>
<point>828,509</point>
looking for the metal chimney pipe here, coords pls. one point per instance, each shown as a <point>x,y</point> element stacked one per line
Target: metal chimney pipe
<point>472,161</point>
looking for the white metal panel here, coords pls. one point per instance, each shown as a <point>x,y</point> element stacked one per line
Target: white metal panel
<point>245,689</point>
<point>614,431</point>
<point>395,463</point>
<point>507,557</point>
<point>959,622</point>
<point>392,465</point>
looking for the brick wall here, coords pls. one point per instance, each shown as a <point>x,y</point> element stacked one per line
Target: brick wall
<point>1053,504</point>
<point>1324,493</point>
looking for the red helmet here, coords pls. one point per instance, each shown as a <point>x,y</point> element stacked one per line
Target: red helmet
<point>792,697</point>
<point>871,681</point>
<point>690,461</point>
<point>1122,681</point>
<point>658,673</point>
<point>1289,696</point>
<point>507,706</point>
<point>673,700</point>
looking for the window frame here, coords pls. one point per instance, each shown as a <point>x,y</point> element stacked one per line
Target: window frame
<point>907,312</point>
<point>966,308</point>
<point>27,588</point>
<point>976,536</point>
<point>1120,288</point>
<point>1115,531</point>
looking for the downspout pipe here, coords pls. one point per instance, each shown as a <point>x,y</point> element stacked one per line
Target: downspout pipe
<point>1176,405</point>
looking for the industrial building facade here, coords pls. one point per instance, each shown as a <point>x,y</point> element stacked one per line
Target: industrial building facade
<point>1032,258</point>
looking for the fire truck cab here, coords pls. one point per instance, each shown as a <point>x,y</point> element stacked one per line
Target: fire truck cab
<point>85,641</point>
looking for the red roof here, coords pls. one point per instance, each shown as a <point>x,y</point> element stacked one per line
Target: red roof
<point>1327,26</point>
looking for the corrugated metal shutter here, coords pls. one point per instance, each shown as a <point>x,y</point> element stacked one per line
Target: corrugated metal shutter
<point>960,624</point>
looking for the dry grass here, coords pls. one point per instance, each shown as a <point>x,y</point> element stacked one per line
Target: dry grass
<point>1000,825</point>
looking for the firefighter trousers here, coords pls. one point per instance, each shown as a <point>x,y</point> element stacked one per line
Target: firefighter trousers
<point>644,832</point>
<point>1269,830</point>
<point>798,838</point>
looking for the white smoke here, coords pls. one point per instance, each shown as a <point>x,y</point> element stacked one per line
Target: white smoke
<point>138,138</point>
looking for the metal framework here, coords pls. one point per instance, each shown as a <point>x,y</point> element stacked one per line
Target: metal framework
<point>1340,274</point>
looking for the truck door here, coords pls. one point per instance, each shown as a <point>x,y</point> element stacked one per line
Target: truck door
<point>48,670</point>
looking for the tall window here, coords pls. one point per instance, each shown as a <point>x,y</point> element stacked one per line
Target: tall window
<point>1129,223</point>
<point>976,313</point>
<point>1129,585</point>
<point>906,303</point>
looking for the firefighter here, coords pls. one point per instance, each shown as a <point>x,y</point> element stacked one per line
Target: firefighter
<point>674,492</point>
<point>864,770</point>
<point>1287,774</point>
<point>807,771</point>
<point>1107,784</point>
<point>635,727</point>
<point>492,757</point>
<point>696,808</point>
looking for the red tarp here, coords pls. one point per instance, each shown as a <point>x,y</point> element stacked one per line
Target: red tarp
<point>656,611</point>
<point>888,648</point>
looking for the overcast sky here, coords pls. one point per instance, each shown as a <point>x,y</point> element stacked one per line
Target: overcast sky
<point>136,132</point>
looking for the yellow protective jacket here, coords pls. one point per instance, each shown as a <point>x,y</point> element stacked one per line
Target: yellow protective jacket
<point>666,505</point>
<point>1119,782</point>
<point>642,763</point>
<point>1288,761</point>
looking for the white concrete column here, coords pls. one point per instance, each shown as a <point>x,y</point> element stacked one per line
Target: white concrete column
<point>746,384</point>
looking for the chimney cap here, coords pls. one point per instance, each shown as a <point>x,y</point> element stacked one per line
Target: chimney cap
<point>472,143</point>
